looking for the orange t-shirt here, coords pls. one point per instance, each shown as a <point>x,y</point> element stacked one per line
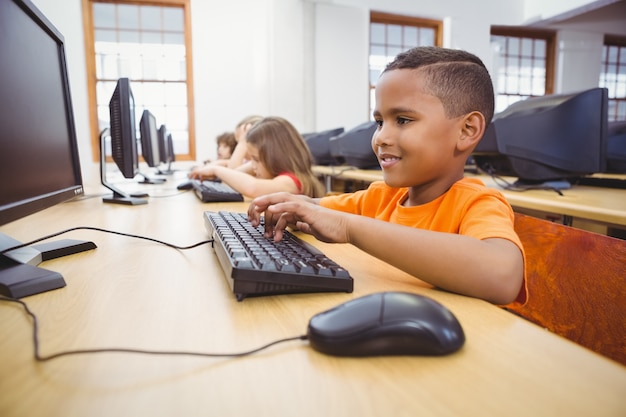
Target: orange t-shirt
<point>467,208</point>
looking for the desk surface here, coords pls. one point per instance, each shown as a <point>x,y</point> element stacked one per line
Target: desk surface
<point>137,294</point>
<point>605,205</point>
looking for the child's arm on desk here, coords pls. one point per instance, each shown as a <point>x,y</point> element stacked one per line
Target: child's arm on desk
<point>491,269</point>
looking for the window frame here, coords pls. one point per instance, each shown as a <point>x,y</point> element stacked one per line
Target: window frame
<point>617,41</point>
<point>402,20</point>
<point>549,36</point>
<point>89,38</point>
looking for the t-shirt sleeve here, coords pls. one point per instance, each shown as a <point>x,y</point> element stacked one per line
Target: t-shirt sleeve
<point>349,202</point>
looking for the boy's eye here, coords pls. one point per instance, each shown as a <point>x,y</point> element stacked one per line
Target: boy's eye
<point>379,122</point>
<point>402,120</point>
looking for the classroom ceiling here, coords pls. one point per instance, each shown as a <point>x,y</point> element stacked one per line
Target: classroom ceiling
<point>603,16</point>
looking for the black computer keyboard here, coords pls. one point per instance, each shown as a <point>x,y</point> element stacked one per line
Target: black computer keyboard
<point>214,191</point>
<point>255,265</point>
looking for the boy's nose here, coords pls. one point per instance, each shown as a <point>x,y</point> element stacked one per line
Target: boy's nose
<point>381,137</point>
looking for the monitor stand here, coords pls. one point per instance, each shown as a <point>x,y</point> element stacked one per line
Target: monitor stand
<point>562,184</point>
<point>19,275</point>
<point>118,197</point>
<point>167,171</point>
<point>151,180</point>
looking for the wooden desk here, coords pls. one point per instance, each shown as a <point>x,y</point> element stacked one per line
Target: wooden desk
<point>138,294</point>
<point>602,205</point>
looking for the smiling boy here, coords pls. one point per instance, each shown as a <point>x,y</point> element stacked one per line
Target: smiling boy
<point>432,108</point>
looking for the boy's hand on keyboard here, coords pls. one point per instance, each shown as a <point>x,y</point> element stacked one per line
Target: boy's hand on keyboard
<point>285,209</point>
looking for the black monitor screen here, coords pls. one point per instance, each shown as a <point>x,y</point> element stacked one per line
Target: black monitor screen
<point>124,129</point>
<point>163,149</point>
<point>171,154</point>
<point>319,144</point>
<point>555,137</point>
<point>39,163</point>
<point>149,139</point>
<point>354,147</point>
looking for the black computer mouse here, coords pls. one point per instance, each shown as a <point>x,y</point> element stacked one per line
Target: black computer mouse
<point>388,323</point>
<point>187,185</point>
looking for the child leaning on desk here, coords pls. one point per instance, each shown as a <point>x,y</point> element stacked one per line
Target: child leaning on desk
<point>432,108</point>
<point>279,160</point>
<point>226,143</point>
<point>231,146</point>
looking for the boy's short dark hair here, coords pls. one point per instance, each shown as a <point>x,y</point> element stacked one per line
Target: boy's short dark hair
<point>458,78</point>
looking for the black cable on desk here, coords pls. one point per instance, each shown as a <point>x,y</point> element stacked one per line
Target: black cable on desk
<point>40,358</point>
<point>504,184</point>
<point>106,231</point>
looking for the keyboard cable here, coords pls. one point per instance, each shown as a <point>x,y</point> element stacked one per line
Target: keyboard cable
<point>33,316</point>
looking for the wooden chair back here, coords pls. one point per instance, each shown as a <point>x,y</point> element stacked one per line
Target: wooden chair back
<point>576,284</point>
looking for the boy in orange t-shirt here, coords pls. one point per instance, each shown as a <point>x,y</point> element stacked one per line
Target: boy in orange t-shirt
<point>432,107</point>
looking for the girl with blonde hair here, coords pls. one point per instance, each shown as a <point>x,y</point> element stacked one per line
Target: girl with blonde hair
<point>280,160</point>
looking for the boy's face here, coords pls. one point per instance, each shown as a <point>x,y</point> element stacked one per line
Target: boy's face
<point>415,142</point>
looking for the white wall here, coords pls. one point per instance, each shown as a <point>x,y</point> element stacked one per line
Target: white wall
<point>535,10</point>
<point>305,60</point>
<point>579,58</point>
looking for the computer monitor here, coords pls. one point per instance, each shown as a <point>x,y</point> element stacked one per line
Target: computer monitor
<point>149,139</point>
<point>171,154</point>
<point>123,129</point>
<point>123,134</point>
<point>616,148</point>
<point>150,145</point>
<point>39,162</point>
<point>319,145</point>
<point>162,135</point>
<point>166,150</point>
<point>547,140</point>
<point>354,147</point>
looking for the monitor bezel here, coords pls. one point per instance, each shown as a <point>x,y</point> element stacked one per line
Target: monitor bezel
<point>568,155</point>
<point>24,207</point>
<point>149,138</point>
<point>123,136</point>
<point>163,150</point>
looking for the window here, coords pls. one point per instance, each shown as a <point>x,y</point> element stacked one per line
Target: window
<point>613,75</point>
<point>392,34</point>
<point>524,65</point>
<point>147,41</point>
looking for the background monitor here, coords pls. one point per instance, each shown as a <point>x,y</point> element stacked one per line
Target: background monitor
<point>39,162</point>
<point>166,150</point>
<point>319,144</point>
<point>150,145</point>
<point>149,139</point>
<point>163,151</point>
<point>171,154</point>
<point>354,147</point>
<point>122,131</point>
<point>616,148</point>
<point>547,139</point>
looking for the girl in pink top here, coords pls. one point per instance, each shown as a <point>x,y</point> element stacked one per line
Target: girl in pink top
<point>279,160</point>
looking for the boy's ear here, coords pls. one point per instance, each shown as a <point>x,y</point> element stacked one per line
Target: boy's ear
<point>472,129</point>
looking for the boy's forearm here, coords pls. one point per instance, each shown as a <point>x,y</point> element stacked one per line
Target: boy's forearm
<point>462,264</point>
